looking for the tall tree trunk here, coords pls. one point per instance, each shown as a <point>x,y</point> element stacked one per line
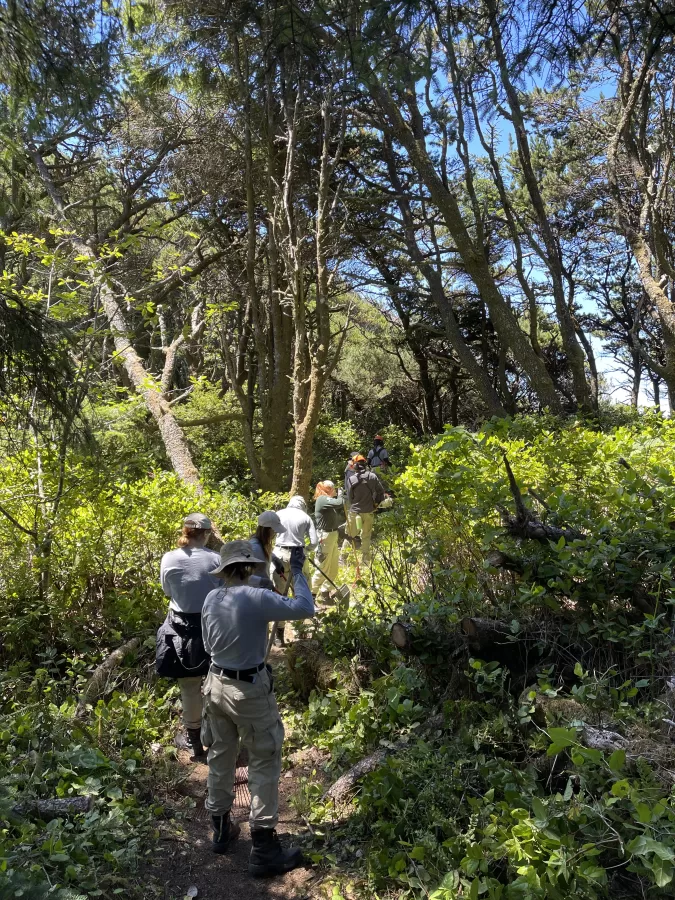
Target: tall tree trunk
<point>433,278</point>
<point>637,377</point>
<point>307,403</point>
<point>575,354</point>
<point>505,323</point>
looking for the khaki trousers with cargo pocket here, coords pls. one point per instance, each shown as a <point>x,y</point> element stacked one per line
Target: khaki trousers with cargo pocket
<point>240,711</point>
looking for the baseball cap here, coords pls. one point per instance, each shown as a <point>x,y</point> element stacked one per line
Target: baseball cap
<point>328,484</point>
<point>269,519</point>
<point>197,520</point>
<point>234,552</point>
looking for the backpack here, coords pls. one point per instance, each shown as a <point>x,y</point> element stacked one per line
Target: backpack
<point>376,454</point>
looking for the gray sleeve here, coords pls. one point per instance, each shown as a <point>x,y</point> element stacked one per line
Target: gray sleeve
<point>163,577</point>
<point>377,490</point>
<point>276,608</point>
<point>205,631</point>
<point>313,536</point>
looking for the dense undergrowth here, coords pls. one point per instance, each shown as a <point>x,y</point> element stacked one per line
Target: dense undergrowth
<point>494,784</point>
<point>510,794</point>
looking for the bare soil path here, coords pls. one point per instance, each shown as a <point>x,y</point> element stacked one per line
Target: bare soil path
<point>185,860</point>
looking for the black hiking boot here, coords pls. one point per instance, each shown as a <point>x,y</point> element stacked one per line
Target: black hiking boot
<point>225,833</point>
<point>268,857</point>
<point>194,736</point>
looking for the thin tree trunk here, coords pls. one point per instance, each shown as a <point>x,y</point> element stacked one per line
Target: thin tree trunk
<point>146,385</point>
<point>503,319</point>
<point>575,354</point>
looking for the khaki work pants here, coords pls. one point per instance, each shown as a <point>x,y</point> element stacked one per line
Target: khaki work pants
<point>367,520</point>
<point>283,584</point>
<point>191,701</point>
<point>326,558</point>
<point>239,711</point>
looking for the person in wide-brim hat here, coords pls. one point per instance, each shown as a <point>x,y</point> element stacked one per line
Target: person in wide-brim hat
<point>239,702</point>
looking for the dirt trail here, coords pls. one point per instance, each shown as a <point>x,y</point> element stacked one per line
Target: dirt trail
<point>189,862</point>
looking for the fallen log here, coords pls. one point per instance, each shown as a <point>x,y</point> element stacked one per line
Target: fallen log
<point>94,687</point>
<point>347,783</point>
<point>53,809</point>
<point>603,739</point>
<point>310,668</point>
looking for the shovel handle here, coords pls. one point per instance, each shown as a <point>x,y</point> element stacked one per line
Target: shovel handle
<point>330,581</point>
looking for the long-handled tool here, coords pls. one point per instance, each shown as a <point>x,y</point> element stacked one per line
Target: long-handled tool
<point>342,594</point>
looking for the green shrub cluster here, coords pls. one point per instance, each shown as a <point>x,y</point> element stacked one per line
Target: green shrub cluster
<point>499,802</point>
<point>47,754</point>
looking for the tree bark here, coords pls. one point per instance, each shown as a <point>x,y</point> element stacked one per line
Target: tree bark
<point>503,319</point>
<point>174,440</point>
<point>94,686</point>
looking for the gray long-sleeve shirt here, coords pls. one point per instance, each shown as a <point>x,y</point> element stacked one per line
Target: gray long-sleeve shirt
<point>235,619</point>
<point>185,578</point>
<point>298,525</point>
<point>364,492</point>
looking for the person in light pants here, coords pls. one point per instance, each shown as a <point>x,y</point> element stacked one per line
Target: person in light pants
<point>185,574</point>
<point>329,515</point>
<point>364,495</point>
<point>239,702</point>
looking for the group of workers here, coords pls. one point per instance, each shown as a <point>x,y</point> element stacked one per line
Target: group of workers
<point>218,625</point>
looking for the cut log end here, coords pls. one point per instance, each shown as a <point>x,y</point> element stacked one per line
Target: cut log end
<point>400,636</point>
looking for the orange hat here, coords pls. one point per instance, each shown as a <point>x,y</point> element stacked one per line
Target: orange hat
<point>359,459</point>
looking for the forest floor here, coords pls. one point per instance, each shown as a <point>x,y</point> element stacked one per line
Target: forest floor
<point>185,860</point>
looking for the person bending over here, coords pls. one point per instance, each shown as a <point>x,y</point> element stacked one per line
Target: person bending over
<point>239,702</point>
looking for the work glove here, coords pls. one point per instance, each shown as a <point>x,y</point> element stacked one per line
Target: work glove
<point>297,558</point>
<point>278,565</point>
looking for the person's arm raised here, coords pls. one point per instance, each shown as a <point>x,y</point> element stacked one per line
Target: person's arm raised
<point>300,605</point>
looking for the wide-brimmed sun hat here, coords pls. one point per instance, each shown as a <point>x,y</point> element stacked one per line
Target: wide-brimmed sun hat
<point>235,552</point>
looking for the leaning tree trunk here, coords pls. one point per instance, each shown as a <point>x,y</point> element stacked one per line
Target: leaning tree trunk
<point>144,382</point>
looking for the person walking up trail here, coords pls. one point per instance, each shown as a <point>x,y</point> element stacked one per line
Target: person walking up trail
<point>239,702</point>
<point>269,526</point>
<point>186,578</point>
<point>364,495</point>
<point>299,531</point>
<point>329,516</point>
<point>349,468</point>
<point>378,457</point>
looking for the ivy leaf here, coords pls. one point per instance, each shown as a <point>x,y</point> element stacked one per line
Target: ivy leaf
<point>662,870</point>
<point>617,760</point>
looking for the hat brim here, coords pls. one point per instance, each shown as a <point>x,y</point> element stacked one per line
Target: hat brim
<point>278,529</point>
<point>250,560</point>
